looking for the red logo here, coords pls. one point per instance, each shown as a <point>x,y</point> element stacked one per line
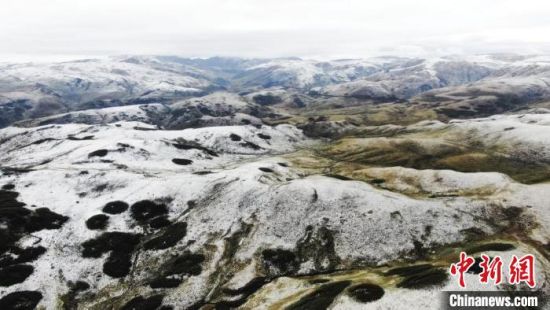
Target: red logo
<point>523,270</point>
<point>492,269</point>
<point>461,267</point>
<point>520,269</point>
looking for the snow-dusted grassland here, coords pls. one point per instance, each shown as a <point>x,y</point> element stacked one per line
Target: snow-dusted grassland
<point>217,201</point>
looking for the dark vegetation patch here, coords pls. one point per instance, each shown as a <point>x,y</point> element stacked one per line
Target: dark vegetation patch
<point>321,298</point>
<point>124,146</point>
<point>377,181</point>
<point>366,292</point>
<point>396,215</point>
<point>172,271</point>
<point>120,247</point>
<point>7,171</point>
<point>165,282</point>
<point>250,145</point>
<point>317,245</point>
<point>22,300</point>
<point>500,247</point>
<point>473,234</point>
<point>16,222</point>
<point>115,207</point>
<point>144,128</point>
<point>249,288</point>
<point>299,103</point>
<point>512,212</point>
<point>318,281</point>
<point>8,199</point>
<point>202,172</point>
<point>409,270</point>
<point>339,177</point>
<point>418,249</point>
<point>141,303</point>
<point>14,274</point>
<point>159,222</point>
<point>167,238</point>
<point>71,137</point>
<point>110,241</point>
<point>44,218</point>
<point>234,240</point>
<point>243,293</point>
<point>98,221</point>
<point>118,264</point>
<point>182,161</point>
<point>227,304</point>
<point>8,187</point>
<point>70,298</point>
<point>314,129</point>
<point>15,255</point>
<point>185,264</point>
<point>79,286</point>
<point>98,153</point>
<point>235,137</point>
<point>101,187</point>
<point>264,136</point>
<point>475,157</point>
<point>144,210</point>
<point>266,99</point>
<point>183,144</point>
<point>419,276</point>
<point>37,142</point>
<point>239,295</point>
<point>279,261</point>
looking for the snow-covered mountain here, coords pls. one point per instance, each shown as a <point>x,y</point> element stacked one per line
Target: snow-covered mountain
<point>227,183</point>
<point>37,90</point>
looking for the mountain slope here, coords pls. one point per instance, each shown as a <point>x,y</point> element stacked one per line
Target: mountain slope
<point>224,215</point>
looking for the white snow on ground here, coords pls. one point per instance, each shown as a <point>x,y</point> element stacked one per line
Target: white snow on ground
<point>301,73</point>
<point>524,128</point>
<point>140,149</point>
<point>522,135</point>
<point>60,186</point>
<point>99,116</point>
<point>439,181</point>
<point>98,73</point>
<point>215,101</point>
<point>246,185</point>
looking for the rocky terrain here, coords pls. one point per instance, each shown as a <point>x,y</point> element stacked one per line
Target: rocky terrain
<point>172,183</point>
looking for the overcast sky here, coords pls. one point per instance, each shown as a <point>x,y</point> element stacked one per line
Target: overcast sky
<point>61,29</point>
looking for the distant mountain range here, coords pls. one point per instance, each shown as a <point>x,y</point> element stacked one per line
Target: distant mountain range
<point>459,85</point>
